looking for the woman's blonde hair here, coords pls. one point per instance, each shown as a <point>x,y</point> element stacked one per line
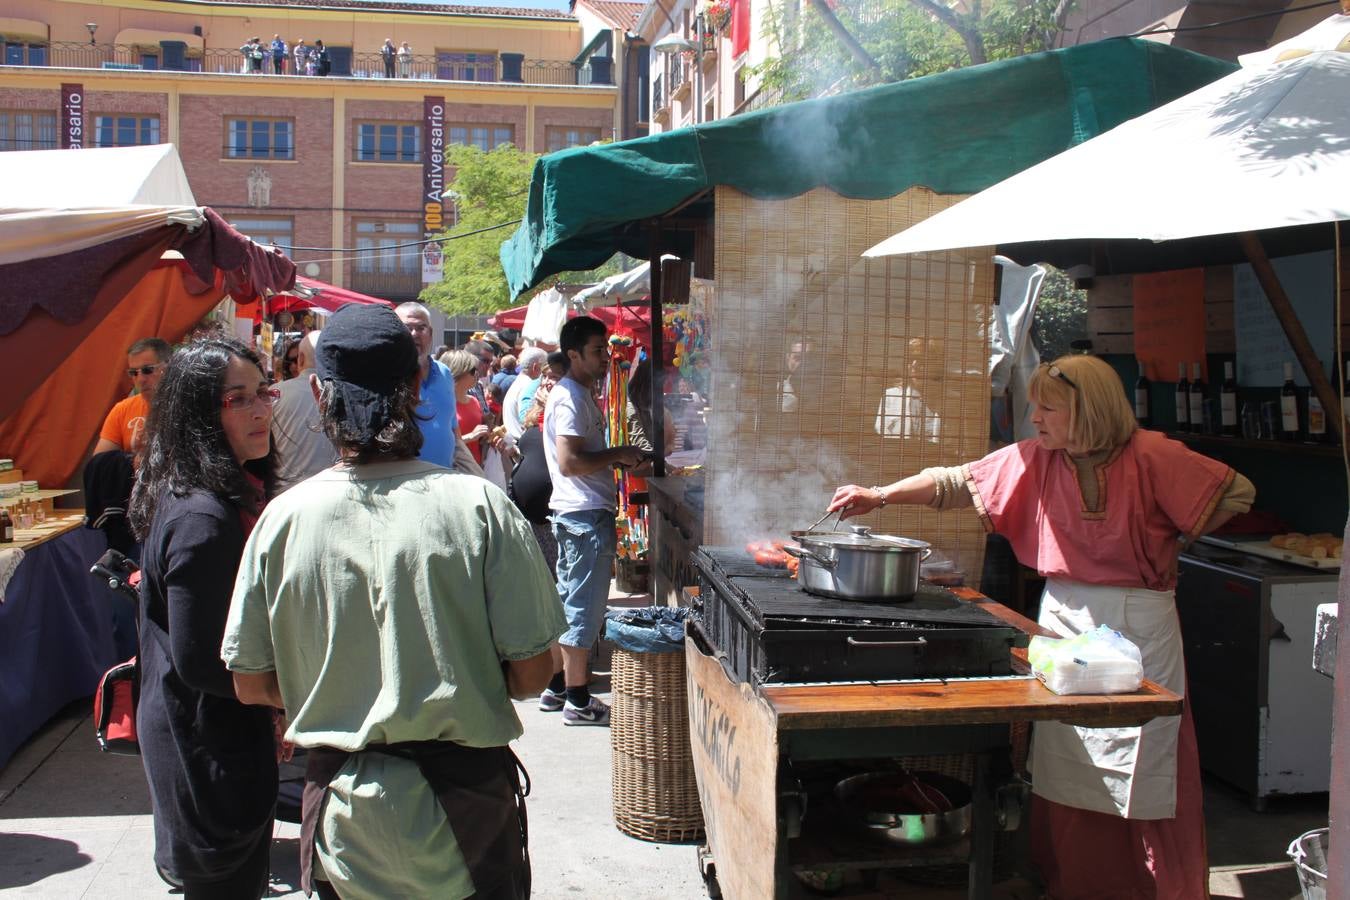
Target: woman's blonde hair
<point>1100,415</point>
<point>459,362</point>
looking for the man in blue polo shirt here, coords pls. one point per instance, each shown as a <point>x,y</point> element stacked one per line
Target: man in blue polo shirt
<point>436,413</point>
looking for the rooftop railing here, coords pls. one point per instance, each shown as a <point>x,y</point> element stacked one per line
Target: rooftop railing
<point>508,68</point>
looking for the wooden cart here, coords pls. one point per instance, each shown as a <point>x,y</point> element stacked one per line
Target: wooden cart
<point>743,738</point>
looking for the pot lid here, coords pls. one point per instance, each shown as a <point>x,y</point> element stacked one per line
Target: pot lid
<point>860,537</point>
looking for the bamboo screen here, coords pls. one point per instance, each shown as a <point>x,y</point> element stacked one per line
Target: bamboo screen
<point>893,373</point>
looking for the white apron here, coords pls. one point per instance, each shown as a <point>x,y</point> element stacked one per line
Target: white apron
<point>1129,771</point>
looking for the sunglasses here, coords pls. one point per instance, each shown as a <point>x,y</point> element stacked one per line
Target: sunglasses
<point>1056,372</point>
<point>144,370</point>
<point>265,395</point>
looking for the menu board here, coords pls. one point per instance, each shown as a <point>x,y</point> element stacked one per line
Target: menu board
<point>1169,322</point>
<point>1262,348</point>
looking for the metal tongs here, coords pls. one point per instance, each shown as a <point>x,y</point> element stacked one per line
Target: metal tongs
<point>840,513</point>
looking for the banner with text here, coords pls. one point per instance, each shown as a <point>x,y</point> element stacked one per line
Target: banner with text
<point>72,117</point>
<point>433,185</point>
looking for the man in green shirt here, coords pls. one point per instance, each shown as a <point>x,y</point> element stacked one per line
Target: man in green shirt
<point>393,608</point>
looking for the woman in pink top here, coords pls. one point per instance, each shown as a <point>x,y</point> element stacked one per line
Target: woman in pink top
<point>1102,510</point>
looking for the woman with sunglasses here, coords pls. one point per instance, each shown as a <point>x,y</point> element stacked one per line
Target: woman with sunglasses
<point>1101,509</point>
<point>209,759</point>
<point>290,360</point>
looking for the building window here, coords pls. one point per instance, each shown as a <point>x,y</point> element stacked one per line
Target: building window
<point>388,142</point>
<point>561,137</point>
<point>260,138</point>
<point>267,231</point>
<point>484,137</point>
<point>27,130</point>
<point>21,54</point>
<point>378,250</point>
<point>125,131</point>
<point>455,66</point>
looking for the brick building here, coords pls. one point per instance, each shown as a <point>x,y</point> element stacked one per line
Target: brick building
<point>307,161</point>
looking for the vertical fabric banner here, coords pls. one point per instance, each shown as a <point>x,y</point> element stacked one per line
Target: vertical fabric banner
<point>433,185</point>
<point>72,117</point>
<point>1169,322</point>
<point>740,27</point>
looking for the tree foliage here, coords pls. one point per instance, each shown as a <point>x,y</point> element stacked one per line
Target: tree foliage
<point>492,187</point>
<point>906,38</point>
<point>1061,316</point>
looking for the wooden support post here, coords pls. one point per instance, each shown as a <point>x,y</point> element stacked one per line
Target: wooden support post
<point>1293,330</point>
<point>657,354</point>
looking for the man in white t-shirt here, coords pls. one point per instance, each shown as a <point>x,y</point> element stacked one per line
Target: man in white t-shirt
<point>583,504</point>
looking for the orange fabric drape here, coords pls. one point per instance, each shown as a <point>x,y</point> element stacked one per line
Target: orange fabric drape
<point>55,426</point>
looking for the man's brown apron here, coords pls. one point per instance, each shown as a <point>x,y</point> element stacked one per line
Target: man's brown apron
<point>478,787</point>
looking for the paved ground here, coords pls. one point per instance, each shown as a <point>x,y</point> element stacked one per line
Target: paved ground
<point>75,823</point>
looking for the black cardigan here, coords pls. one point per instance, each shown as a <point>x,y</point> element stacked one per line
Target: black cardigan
<point>210,760</point>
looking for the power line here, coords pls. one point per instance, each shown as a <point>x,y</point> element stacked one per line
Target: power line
<point>1264,15</point>
<point>385,247</point>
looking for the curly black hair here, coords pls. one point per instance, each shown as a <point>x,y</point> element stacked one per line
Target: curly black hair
<point>187,448</point>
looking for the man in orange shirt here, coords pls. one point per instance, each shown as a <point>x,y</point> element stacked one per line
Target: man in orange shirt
<point>124,429</point>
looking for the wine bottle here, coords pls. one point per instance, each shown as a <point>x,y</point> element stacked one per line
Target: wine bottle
<point>1142,406</point>
<point>1228,402</point>
<point>1197,399</point>
<point>1289,405</point>
<point>1183,401</point>
<point>1345,387</point>
<point>1317,418</point>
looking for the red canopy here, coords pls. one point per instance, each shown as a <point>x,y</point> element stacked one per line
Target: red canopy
<point>633,319</point>
<point>327,297</point>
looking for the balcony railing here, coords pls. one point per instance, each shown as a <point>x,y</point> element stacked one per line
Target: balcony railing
<point>508,68</point>
<point>659,101</point>
<point>397,286</point>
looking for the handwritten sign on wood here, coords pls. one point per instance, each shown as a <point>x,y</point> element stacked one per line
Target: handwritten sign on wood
<point>1169,322</point>
<point>1262,348</point>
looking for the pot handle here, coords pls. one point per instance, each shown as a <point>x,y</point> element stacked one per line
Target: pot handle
<point>927,552</point>
<point>802,552</point>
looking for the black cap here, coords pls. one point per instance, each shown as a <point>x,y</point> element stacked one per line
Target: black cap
<point>366,352</point>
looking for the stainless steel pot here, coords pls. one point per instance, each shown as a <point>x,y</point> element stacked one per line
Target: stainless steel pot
<point>858,565</point>
<point>868,801</point>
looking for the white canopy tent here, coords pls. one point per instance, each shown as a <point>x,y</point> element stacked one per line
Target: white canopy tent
<point>50,207</point>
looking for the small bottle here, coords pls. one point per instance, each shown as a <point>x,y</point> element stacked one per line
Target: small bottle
<point>1197,399</point>
<point>1317,418</point>
<point>1228,406</point>
<point>1142,389</point>
<point>1345,388</point>
<point>6,526</point>
<point>1183,399</point>
<point>1289,405</point>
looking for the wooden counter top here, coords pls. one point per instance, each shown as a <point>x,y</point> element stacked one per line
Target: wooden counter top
<point>975,702</point>
<point>55,526</point>
<point>972,702</point>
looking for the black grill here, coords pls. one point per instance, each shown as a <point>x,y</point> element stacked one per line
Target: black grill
<point>772,631</point>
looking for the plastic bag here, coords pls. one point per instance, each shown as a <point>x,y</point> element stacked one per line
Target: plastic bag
<point>653,629</point>
<point>1101,661</point>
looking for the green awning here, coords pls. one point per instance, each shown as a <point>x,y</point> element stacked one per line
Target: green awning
<point>955,133</point>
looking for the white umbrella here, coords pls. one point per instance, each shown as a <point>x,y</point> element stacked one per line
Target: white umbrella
<point>1265,147</point>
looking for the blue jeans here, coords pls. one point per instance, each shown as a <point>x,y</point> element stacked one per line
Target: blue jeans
<point>586,545</point>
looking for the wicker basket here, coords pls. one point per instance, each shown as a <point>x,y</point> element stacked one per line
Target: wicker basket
<point>655,794</point>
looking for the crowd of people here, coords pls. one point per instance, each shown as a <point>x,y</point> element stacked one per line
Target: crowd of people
<point>327,564</point>
<point>278,58</point>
